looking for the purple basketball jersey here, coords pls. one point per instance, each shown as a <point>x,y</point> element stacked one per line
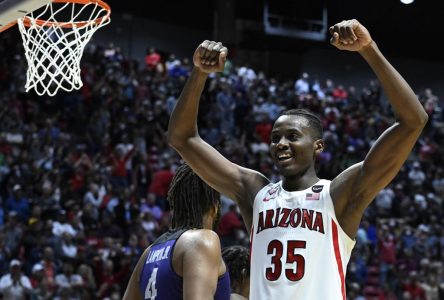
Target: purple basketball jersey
<point>159,281</point>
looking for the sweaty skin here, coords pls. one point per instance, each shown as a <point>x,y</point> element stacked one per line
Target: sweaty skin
<point>195,256</point>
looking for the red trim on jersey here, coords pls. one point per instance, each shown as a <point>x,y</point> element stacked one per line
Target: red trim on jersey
<point>251,241</point>
<point>334,229</point>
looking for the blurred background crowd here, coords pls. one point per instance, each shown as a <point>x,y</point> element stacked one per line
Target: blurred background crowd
<point>84,175</point>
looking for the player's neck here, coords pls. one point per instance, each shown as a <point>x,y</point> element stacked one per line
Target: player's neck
<point>300,182</point>
<point>207,222</point>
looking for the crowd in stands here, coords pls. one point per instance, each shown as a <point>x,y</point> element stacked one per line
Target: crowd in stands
<point>84,175</point>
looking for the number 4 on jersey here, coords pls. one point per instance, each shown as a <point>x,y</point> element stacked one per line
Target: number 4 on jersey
<point>151,292</point>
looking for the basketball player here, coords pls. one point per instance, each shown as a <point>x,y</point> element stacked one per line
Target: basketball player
<point>185,262</point>
<point>303,227</point>
<point>237,259</point>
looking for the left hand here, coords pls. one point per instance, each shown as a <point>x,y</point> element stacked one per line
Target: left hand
<point>350,35</point>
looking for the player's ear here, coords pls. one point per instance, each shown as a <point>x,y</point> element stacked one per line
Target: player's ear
<point>244,273</point>
<point>214,210</point>
<point>318,147</point>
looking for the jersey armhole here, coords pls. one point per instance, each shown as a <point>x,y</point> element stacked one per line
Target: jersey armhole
<point>170,260</point>
<point>261,192</point>
<point>349,241</point>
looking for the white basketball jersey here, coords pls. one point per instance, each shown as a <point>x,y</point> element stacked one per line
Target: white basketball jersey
<point>298,249</point>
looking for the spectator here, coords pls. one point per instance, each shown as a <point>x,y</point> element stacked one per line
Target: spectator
<point>68,279</point>
<point>302,86</point>
<point>230,228</point>
<point>152,59</point>
<point>149,206</point>
<point>161,182</point>
<point>18,203</point>
<point>412,287</point>
<point>416,175</point>
<point>15,285</point>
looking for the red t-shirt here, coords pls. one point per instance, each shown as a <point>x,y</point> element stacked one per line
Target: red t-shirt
<point>340,94</point>
<point>264,131</point>
<point>415,291</point>
<point>161,183</point>
<point>229,222</point>
<point>119,164</point>
<point>152,60</point>
<point>77,182</point>
<point>387,250</point>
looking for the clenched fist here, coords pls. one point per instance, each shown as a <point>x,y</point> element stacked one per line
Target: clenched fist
<point>350,35</point>
<point>210,57</point>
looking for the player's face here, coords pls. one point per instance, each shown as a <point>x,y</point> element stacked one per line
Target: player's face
<point>292,147</point>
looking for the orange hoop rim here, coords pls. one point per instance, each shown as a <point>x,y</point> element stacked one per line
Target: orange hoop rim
<point>44,23</point>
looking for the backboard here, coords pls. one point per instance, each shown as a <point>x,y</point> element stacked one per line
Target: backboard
<point>11,10</point>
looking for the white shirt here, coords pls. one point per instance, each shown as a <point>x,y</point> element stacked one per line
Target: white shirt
<point>417,176</point>
<point>299,251</point>
<point>385,198</point>
<point>14,291</point>
<point>69,250</point>
<point>302,86</point>
<point>58,229</point>
<point>64,281</point>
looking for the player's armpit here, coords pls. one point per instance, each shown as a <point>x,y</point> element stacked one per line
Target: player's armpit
<point>132,290</point>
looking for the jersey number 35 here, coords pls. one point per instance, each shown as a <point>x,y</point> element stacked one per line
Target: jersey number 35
<point>276,249</point>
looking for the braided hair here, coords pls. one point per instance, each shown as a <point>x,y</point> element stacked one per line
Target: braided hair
<point>313,121</point>
<point>237,259</point>
<point>190,198</point>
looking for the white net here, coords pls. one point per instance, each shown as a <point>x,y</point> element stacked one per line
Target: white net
<point>54,38</point>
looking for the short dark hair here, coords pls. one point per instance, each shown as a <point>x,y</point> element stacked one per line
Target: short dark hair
<point>190,198</point>
<point>237,259</point>
<point>313,120</point>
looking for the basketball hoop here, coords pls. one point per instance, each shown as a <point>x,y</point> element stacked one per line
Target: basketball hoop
<point>54,37</point>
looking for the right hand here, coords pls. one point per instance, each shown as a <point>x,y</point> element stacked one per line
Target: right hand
<point>210,57</point>
<point>350,35</point>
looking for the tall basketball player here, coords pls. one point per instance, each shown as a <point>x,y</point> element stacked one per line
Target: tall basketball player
<point>185,262</point>
<point>303,227</point>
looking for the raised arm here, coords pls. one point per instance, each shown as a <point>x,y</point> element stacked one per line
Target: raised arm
<point>240,184</point>
<point>354,189</point>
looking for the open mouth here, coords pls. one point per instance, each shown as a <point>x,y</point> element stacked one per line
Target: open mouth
<point>285,157</point>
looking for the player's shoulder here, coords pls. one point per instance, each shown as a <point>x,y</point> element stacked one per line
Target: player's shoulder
<point>345,181</point>
<point>200,239</point>
<point>254,180</point>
